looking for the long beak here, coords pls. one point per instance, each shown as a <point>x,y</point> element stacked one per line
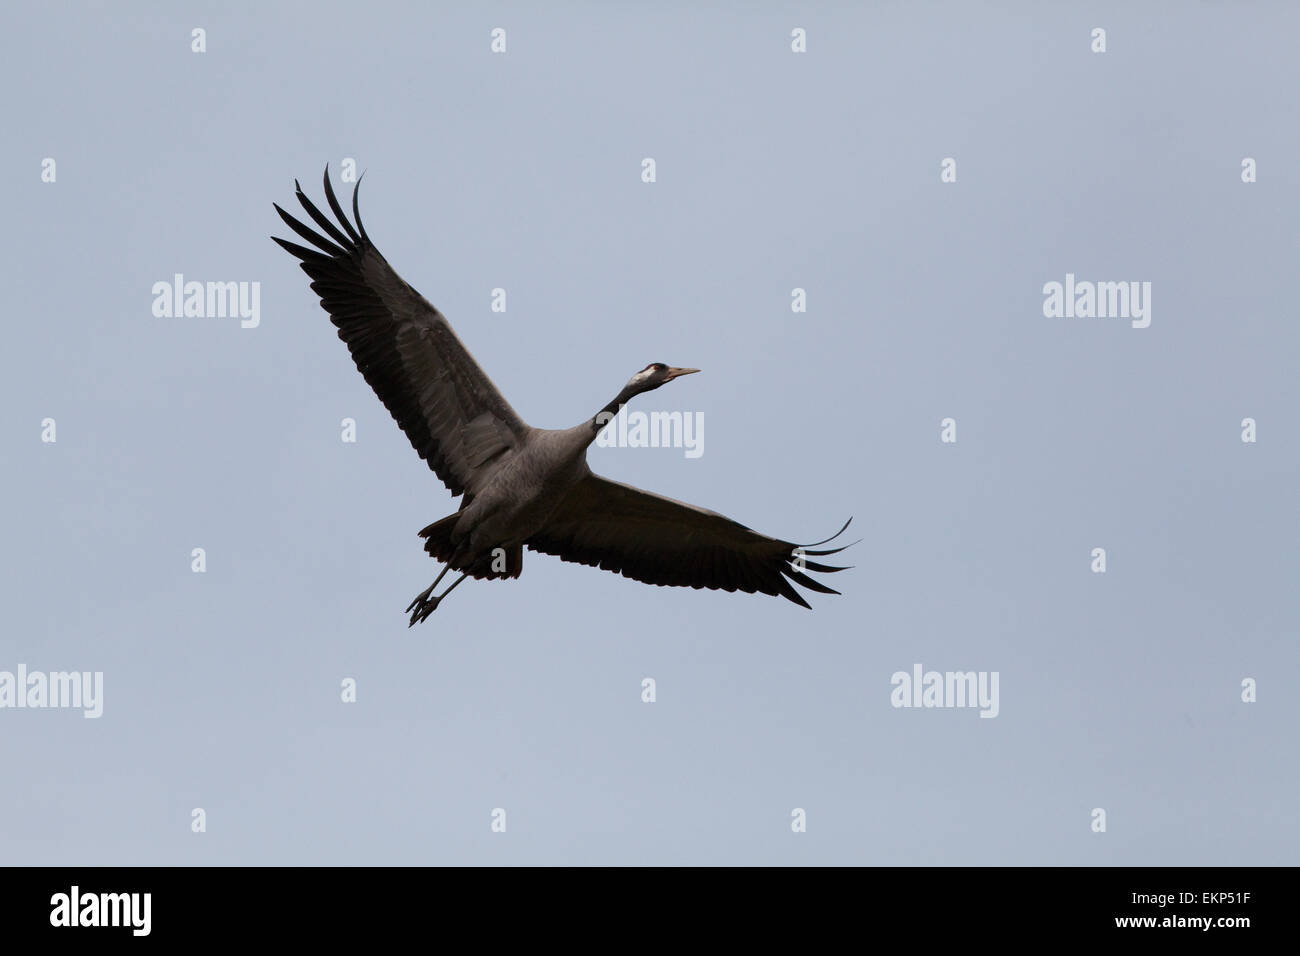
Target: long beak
<point>678,372</point>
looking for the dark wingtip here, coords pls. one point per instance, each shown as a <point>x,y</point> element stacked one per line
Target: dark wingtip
<point>800,578</point>
<point>790,594</point>
<point>317,240</point>
<point>832,537</point>
<point>793,569</point>
<point>824,568</point>
<point>338,210</point>
<point>356,210</point>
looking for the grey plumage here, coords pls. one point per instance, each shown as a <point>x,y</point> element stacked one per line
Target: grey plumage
<point>520,486</point>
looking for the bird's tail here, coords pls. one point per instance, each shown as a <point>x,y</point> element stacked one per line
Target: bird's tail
<point>437,538</point>
<point>496,563</point>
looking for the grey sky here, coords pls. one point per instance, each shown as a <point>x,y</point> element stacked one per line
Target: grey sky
<point>775,170</point>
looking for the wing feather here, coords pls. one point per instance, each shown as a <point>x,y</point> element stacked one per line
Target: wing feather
<point>658,540</point>
<point>449,409</point>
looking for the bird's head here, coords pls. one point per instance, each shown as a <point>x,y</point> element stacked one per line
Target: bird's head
<point>656,374</point>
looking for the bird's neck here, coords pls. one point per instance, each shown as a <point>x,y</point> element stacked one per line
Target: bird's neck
<point>603,416</point>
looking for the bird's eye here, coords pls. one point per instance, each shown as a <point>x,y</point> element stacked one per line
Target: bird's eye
<point>660,367</point>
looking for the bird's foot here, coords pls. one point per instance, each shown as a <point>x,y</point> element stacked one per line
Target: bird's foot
<point>419,598</point>
<point>424,606</point>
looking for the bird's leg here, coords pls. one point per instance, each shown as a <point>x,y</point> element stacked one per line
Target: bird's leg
<point>429,590</point>
<point>425,605</point>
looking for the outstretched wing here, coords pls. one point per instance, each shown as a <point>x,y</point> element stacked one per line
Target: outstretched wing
<point>449,409</point>
<point>657,540</point>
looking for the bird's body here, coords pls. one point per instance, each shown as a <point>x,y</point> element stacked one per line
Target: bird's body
<point>522,487</point>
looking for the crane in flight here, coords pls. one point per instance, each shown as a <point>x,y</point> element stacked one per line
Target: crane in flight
<point>520,487</point>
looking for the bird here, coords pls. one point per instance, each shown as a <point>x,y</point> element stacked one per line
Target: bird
<point>519,487</point>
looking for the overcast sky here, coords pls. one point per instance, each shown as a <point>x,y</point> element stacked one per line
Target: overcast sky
<point>774,170</point>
